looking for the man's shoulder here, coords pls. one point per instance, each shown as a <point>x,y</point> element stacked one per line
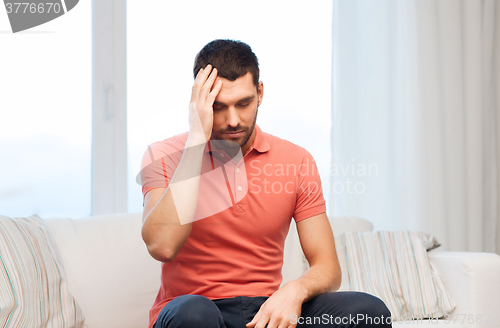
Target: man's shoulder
<point>285,147</point>
<point>174,143</point>
<point>171,147</point>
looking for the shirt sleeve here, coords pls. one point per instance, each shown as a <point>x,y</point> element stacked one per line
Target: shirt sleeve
<point>310,201</point>
<point>158,166</point>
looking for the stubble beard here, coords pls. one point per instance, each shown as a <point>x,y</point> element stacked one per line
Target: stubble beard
<point>235,143</point>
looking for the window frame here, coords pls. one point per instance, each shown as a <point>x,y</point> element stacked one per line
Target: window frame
<point>109,107</point>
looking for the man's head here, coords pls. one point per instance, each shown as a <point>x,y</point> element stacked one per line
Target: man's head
<point>233,59</point>
<point>236,105</point>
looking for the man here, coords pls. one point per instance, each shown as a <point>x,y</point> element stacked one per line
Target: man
<point>218,202</point>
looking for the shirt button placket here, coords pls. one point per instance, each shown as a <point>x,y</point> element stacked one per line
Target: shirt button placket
<point>237,183</point>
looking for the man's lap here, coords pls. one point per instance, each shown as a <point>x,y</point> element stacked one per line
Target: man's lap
<point>336,309</point>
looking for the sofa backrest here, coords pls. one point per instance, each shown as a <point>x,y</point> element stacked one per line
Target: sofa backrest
<point>115,280</point>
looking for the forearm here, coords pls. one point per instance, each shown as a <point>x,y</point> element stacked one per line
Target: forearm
<point>168,224</point>
<point>320,278</point>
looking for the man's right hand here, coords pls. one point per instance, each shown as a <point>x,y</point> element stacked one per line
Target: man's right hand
<point>201,105</point>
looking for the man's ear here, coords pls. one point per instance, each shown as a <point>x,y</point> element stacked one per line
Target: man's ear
<point>260,91</point>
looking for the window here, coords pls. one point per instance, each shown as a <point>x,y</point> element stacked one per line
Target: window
<point>45,117</point>
<point>46,103</point>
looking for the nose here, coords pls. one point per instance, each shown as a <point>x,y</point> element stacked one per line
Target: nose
<point>232,117</point>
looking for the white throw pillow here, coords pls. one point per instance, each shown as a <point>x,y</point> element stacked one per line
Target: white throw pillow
<point>33,288</point>
<point>393,265</point>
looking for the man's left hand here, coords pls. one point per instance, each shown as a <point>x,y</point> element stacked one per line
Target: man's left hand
<point>281,309</point>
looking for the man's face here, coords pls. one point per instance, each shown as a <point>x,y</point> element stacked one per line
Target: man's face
<point>235,111</point>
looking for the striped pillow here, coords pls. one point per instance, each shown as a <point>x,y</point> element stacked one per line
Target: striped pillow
<point>33,288</point>
<point>393,266</point>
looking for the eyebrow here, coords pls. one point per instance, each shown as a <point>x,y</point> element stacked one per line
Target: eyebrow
<point>242,100</point>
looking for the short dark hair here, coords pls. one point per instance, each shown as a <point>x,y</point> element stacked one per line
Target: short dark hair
<point>233,59</point>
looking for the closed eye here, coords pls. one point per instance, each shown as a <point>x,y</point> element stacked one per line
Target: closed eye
<point>242,103</point>
<point>218,106</point>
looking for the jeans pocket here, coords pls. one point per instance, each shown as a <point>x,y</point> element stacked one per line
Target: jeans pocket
<point>251,305</point>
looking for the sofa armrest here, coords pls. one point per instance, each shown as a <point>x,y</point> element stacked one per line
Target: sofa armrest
<point>473,281</point>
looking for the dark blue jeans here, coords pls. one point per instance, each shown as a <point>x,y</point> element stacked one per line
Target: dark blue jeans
<point>337,309</point>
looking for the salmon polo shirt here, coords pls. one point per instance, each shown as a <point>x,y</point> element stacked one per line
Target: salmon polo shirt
<point>244,210</point>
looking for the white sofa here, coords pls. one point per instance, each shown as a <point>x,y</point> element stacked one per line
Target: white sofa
<point>115,281</point>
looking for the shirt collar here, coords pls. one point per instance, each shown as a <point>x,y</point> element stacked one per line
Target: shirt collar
<point>261,141</point>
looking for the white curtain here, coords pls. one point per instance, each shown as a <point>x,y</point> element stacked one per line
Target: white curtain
<point>416,117</point>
